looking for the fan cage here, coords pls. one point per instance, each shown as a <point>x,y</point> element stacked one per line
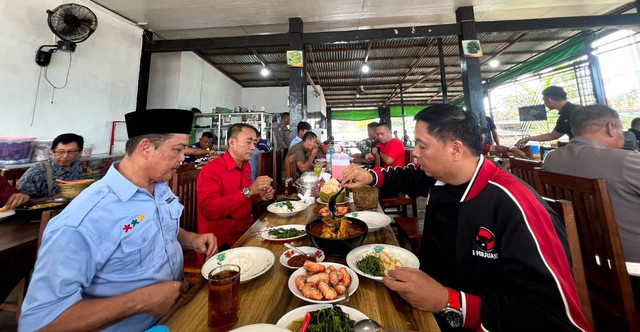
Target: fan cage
<point>72,22</point>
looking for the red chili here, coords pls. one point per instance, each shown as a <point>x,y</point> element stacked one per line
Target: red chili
<point>305,324</point>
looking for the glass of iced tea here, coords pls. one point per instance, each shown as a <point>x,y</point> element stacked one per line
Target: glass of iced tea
<point>224,302</point>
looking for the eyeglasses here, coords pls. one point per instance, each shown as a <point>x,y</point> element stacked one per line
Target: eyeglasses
<point>65,152</point>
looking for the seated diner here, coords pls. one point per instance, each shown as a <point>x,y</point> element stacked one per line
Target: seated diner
<point>480,258</point>
<point>39,181</point>
<point>112,260</point>
<point>305,152</point>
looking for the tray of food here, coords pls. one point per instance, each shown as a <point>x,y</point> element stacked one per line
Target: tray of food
<point>33,210</point>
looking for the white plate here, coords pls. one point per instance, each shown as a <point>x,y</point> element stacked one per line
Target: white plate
<point>406,257</point>
<point>374,220</point>
<point>352,287</point>
<point>297,207</point>
<point>253,261</point>
<point>260,328</point>
<point>7,214</point>
<point>346,201</point>
<point>299,313</point>
<point>265,233</point>
<point>284,258</point>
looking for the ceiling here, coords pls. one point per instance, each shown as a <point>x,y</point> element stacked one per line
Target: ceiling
<point>412,62</point>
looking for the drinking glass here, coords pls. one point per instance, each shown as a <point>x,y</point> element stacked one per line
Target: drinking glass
<point>224,303</point>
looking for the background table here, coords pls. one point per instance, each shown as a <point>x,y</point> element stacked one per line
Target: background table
<point>267,298</point>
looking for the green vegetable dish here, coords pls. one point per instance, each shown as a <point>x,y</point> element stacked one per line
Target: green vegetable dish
<point>371,265</point>
<point>326,320</point>
<point>285,233</point>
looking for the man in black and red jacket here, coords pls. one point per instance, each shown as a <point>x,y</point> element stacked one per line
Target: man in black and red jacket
<point>494,256</point>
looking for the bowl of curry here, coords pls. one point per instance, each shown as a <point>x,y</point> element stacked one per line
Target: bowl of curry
<point>337,236</point>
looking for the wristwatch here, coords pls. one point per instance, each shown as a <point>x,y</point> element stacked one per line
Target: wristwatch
<point>246,193</point>
<point>452,313</point>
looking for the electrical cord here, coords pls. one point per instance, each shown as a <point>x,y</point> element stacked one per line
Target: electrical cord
<point>66,80</point>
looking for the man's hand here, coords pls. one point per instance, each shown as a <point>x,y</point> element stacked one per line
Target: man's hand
<point>267,194</point>
<point>212,155</point>
<point>261,183</point>
<point>355,177</point>
<point>205,243</point>
<point>15,200</point>
<point>522,142</point>
<point>313,153</point>
<point>157,299</point>
<point>418,289</point>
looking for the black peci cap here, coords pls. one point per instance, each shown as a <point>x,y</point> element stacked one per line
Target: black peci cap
<point>159,121</point>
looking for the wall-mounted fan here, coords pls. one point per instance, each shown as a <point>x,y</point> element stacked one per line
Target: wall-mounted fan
<point>72,23</point>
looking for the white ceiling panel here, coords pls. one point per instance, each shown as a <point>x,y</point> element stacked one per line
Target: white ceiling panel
<point>215,18</point>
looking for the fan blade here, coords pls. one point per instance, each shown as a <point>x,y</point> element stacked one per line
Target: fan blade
<point>88,22</point>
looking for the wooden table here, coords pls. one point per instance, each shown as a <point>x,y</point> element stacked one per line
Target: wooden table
<point>18,242</point>
<point>267,298</point>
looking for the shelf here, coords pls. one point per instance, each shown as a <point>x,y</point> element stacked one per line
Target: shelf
<point>93,157</point>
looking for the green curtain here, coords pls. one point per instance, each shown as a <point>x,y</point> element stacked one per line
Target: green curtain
<point>567,51</point>
<point>396,111</point>
<point>354,115</point>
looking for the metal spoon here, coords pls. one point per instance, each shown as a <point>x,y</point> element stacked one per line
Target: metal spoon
<point>370,325</point>
<point>332,204</point>
<point>298,251</point>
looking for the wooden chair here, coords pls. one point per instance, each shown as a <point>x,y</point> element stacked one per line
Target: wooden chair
<point>183,185</point>
<point>13,175</point>
<point>279,169</point>
<point>290,167</point>
<point>408,156</point>
<point>399,203</point>
<point>544,150</point>
<point>410,228</point>
<point>265,164</point>
<point>607,278</point>
<point>523,169</point>
<point>565,210</point>
<point>22,285</point>
<point>528,151</point>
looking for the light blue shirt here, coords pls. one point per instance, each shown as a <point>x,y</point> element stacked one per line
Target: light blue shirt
<point>295,141</point>
<point>112,239</point>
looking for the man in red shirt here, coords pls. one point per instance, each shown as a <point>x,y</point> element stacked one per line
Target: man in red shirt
<point>225,191</point>
<point>391,149</point>
<point>10,197</point>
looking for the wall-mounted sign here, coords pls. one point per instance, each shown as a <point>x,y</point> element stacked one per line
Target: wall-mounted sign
<point>532,113</point>
<point>472,48</point>
<point>295,59</point>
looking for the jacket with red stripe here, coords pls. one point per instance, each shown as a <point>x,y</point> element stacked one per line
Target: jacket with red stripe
<point>511,261</point>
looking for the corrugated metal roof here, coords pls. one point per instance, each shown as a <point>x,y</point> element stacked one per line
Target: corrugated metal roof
<point>337,67</point>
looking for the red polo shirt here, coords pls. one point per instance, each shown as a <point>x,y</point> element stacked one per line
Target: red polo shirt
<point>6,191</point>
<point>394,149</point>
<point>222,207</point>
